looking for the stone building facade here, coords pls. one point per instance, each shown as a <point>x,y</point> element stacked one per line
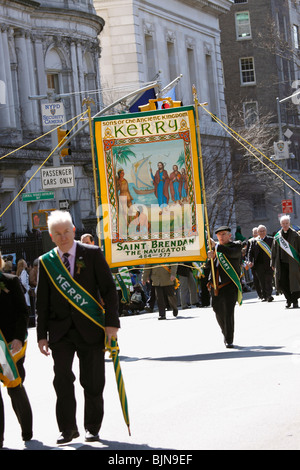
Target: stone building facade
<point>47,48</point>
<point>260,53</point>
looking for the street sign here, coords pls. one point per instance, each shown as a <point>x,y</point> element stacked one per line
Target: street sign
<point>281,150</point>
<point>287,206</point>
<point>53,114</point>
<point>58,177</point>
<point>64,204</point>
<point>41,196</point>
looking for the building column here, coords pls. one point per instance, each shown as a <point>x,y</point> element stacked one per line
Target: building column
<point>27,115</point>
<point>32,79</point>
<point>74,64</point>
<point>7,109</point>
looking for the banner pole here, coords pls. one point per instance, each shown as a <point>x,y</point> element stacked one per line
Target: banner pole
<point>87,102</point>
<point>203,183</point>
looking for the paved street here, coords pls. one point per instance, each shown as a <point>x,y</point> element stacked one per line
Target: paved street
<point>185,389</point>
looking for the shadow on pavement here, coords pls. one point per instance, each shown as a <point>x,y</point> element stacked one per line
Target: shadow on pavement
<point>115,445</point>
<point>237,353</point>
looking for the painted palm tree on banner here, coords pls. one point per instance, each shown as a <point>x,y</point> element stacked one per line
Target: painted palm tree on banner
<point>122,155</point>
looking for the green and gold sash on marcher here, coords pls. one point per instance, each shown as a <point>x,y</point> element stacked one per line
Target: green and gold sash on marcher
<point>75,294</point>
<point>123,281</point>
<point>264,246</point>
<point>287,247</point>
<point>231,272</point>
<point>9,374</point>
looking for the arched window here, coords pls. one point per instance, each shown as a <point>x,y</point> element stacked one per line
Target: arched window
<point>53,68</point>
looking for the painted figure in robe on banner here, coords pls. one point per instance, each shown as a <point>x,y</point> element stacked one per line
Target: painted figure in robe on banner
<point>175,184</point>
<point>184,186</point>
<point>125,202</point>
<point>123,188</point>
<point>161,183</point>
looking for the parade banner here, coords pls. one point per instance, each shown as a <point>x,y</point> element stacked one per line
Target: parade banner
<point>149,187</point>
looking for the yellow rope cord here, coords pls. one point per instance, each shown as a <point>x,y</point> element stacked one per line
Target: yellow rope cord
<point>43,135</point>
<point>232,132</point>
<point>51,153</point>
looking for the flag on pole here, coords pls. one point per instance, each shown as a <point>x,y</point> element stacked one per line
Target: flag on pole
<point>114,354</point>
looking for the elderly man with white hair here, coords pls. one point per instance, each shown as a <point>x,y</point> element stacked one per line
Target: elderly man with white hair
<point>286,261</point>
<point>260,259</point>
<point>74,280</point>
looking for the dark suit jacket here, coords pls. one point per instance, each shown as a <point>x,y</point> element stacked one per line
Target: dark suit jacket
<point>258,255</point>
<point>55,315</point>
<point>233,252</point>
<point>13,309</point>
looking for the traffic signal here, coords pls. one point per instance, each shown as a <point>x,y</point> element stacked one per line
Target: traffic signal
<point>39,220</point>
<point>62,137</point>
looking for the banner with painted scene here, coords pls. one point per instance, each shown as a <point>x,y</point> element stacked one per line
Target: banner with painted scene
<point>149,187</point>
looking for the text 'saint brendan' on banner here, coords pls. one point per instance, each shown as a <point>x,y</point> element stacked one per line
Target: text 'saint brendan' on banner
<point>149,187</point>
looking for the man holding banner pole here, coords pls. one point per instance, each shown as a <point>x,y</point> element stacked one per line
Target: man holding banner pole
<point>73,278</point>
<point>286,261</point>
<point>228,290</point>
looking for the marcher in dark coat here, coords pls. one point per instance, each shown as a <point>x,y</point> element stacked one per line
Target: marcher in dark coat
<point>285,263</point>
<point>13,326</point>
<point>225,296</point>
<point>163,278</point>
<point>67,328</point>
<point>259,257</point>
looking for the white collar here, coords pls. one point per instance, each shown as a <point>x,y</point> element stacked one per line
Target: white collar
<point>72,250</point>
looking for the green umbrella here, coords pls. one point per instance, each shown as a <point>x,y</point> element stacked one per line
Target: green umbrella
<point>114,354</point>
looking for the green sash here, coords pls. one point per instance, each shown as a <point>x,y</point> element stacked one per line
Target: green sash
<point>287,247</point>
<point>264,246</point>
<point>9,374</point>
<point>75,294</point>
<point>123,281</point>
<point>231,272</point>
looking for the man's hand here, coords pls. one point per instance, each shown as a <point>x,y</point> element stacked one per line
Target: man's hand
<point>44,347</point>
<point>110,332</point>
<point>211,254</point>
<point>16,345</point>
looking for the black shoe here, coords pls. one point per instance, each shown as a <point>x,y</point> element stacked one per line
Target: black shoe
<point>162,318</point>
<point>269,299</point>
<point>89,437</point>
<point>295,305</point>
<point>175,312</point>
<point>67,436</point>
<point>229,345</point>
<point>288,304</point>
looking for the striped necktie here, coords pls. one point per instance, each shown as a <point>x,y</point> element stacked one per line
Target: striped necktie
<point>66,261</point>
